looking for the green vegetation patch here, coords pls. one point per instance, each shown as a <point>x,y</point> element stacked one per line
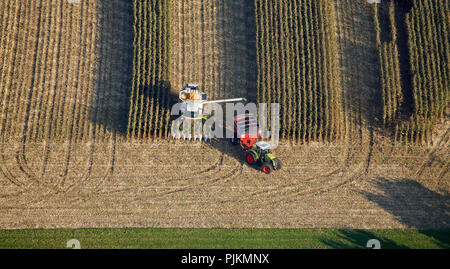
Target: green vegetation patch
<point>223,238</point>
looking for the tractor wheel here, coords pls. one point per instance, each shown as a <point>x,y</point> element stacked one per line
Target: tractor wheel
<point>267,168</point>
<point>251,157</point>
<point>277,164</point>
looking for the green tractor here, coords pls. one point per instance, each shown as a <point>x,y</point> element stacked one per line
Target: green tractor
<point>260,154</point>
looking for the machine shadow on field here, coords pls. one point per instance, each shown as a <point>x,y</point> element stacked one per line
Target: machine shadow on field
<point>110,101</point>
<point>411,203</point>
<point>351,239</point>
<point>226,147</point>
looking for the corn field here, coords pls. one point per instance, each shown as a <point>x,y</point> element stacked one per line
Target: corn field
<point>428,41</point>
<point>429,51</point>
<point>149,112</point>
<point>427,34</point>
<point>298,67</point>
<point>47,51</point>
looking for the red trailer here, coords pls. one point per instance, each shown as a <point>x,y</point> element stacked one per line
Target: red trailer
<point>246,131</point>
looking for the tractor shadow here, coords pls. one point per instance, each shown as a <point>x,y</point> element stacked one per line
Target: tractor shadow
<point>234,151</point>
<point>225,146</point>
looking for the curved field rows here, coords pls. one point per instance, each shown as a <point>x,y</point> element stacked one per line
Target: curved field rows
<point>65,160</point>
<point>130,185</point>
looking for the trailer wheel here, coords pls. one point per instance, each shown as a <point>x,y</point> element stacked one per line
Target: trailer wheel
<point>251,158</point>
<point>267,168</point>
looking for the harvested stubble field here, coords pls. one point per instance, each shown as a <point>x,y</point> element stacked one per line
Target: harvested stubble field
<point>66,159</point>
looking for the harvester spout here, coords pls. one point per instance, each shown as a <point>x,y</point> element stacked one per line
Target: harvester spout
<point>226,100</point>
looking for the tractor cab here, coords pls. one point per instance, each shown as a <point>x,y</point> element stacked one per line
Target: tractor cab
<point>262,148</point>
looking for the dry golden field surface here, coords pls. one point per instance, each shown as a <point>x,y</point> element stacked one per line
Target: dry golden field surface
<point>66,71</point>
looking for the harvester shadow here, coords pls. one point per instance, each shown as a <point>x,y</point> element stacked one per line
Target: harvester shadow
<point>150,95</point>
